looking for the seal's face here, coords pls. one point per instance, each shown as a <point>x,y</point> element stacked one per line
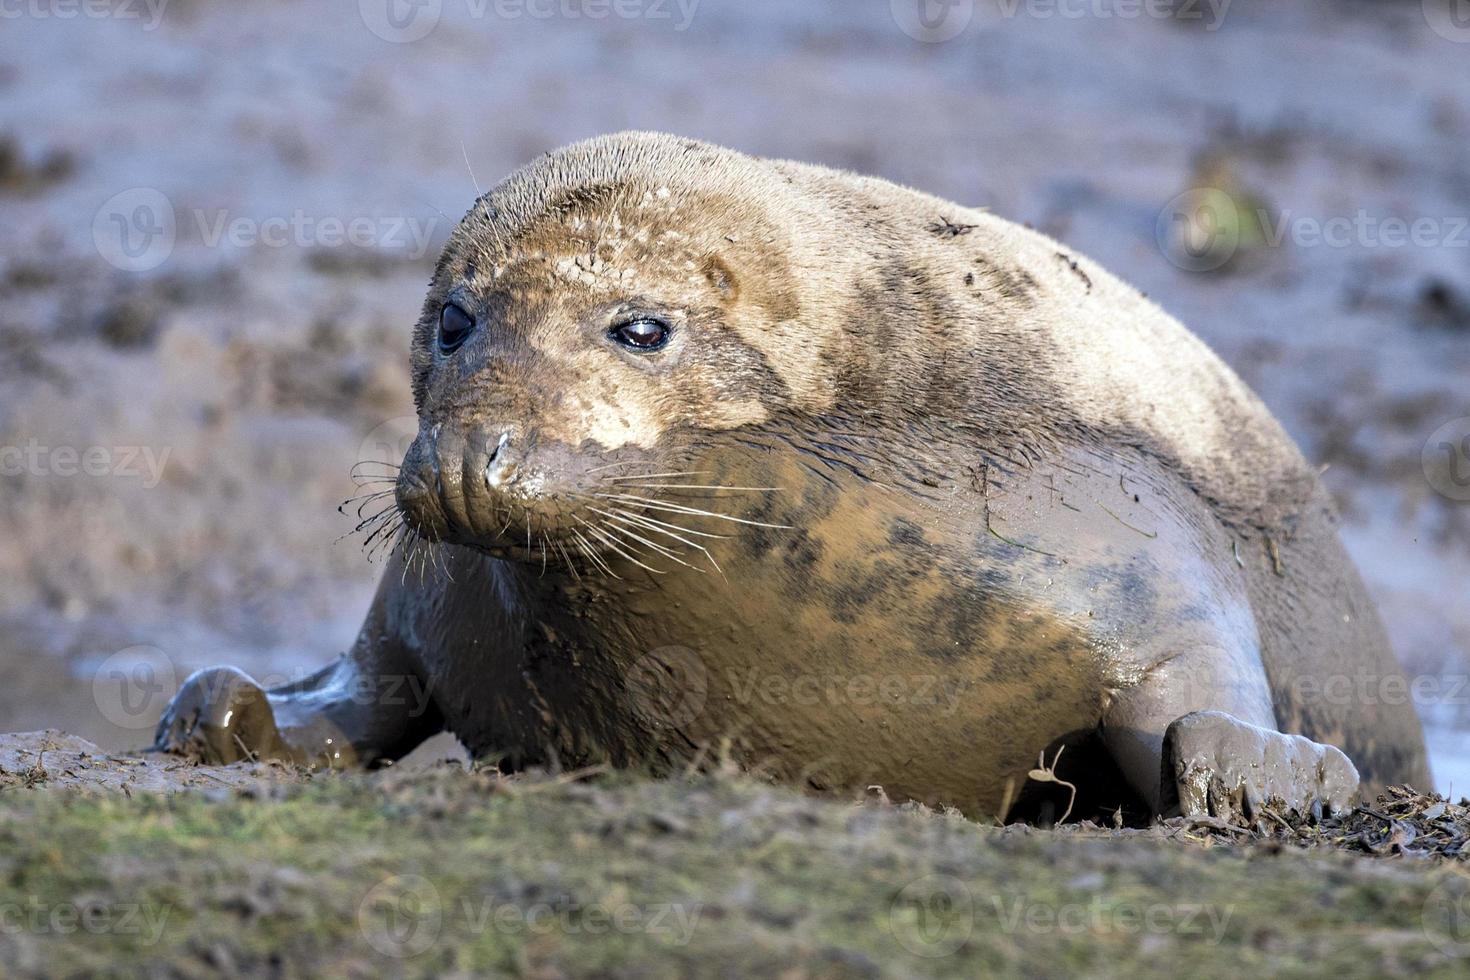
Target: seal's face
<point>568,366</point>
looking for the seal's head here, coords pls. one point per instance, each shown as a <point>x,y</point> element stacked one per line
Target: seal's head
<point>599,318</point>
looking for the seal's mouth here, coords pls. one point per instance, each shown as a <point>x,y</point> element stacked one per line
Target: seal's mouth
<point>509,494</point>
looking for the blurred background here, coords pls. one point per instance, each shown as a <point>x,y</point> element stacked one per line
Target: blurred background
<point>217,221</point>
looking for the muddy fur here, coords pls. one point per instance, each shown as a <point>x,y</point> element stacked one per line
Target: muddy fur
<point>935,446</point>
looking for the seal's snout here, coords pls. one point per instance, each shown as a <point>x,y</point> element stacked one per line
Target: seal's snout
<point>484,485</point>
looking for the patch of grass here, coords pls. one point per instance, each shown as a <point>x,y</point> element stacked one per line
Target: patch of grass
<point>446,872</point>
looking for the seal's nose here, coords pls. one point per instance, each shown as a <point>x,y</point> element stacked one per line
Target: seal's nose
<point>500,468</point>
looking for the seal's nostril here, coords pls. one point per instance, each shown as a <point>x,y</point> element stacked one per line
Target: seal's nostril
<point>504,438</point>
<point>499,468</point>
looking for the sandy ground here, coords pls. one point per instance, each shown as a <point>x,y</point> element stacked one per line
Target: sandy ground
<point>216,223</point>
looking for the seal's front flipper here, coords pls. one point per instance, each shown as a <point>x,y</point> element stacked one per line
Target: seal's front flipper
<point>1217,765</point>
<point>340,717</point>
<point>1196,735</point>
<point>220,716</point>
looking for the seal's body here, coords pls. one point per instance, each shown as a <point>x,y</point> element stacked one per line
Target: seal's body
<point>726,455</point>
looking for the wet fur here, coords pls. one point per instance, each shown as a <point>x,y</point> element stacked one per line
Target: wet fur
<point>1000,466</point>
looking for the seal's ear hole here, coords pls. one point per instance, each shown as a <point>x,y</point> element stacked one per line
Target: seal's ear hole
<point>720,276</point>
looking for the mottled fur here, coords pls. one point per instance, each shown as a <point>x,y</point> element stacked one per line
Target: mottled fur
<point>999,466</point>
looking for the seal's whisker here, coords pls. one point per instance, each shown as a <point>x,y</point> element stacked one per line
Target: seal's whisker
<point>366,503</point>
<point>693,486</point>
<point>597,532</point>
<point>365,496</point>
<point>387,518</point>
<point>383,514</point>
<point>666,552</point>
<point>656,476</point>
<point>365,522</point>
<point>681,509</point>
<point>363,483</point>
<point>653,521</point>
<point>634,540</point>
<point>561,551</point>
<point>374,524</point>
<point>381,518</point>
<point>386,535</point>
<point>377,477</point>
<point>376,539</point>
<point>643,522</point>
<point>608,466</point>
<point>586,548</point>
<point>410,541</point>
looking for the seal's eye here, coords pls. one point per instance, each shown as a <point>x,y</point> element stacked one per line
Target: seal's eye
<point>455,327</point>
<point>642,334</point>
